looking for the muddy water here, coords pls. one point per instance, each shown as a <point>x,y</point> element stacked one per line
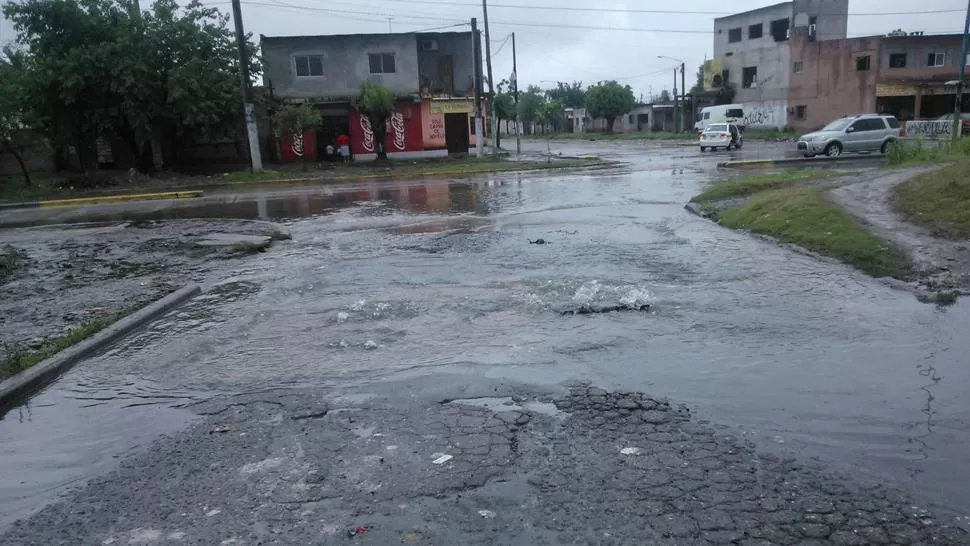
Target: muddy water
<point>800,354</point>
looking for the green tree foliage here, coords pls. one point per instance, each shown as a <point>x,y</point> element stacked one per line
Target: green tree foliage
<point>13,120</point>
<point>569,95</point>
<point>664,97</point>
<point>296,119</point>
<point>698,88</point>
<point>610,100</point>
<point>102,68</point>
<point>377,103</point>
<point>530,104</point>
<point>550,114</point>
<point>504,106</point>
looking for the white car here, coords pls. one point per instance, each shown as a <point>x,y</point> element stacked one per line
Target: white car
<point>721,135</point>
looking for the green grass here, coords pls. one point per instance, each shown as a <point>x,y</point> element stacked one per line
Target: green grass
<point>918,152</point>
<point>946,298</point>
<point>804,217</point>
<point>18,359</point>
<point>750,184</point>
<point>938,200</point>
<point>11,259</point>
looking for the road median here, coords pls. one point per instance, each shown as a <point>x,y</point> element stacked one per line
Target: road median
<point>779,162</point>
<point>19,384</point>
<point>104,199</point>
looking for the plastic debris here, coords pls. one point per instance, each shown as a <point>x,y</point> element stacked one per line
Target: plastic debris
<point>487,514</point>
<point>342,317</point>
<point>539,241</point>
<point>442,458</point>
<point>222,428</point>
<point>630,451</point>
<point>370,344</point>
<point>357,531</point>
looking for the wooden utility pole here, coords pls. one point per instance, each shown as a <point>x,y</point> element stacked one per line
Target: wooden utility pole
<point>477,59</point>
<point>515,98</point>
<point>249,111</point>
<point>683,102</point>
<point>676,110</point>
<point>491,86</point>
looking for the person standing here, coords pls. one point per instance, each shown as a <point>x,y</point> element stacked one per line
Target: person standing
<point>343,147</point>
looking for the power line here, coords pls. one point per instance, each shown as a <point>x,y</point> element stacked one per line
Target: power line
<point>504,42</point>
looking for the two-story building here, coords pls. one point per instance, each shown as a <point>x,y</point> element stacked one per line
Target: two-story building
<point>753,49</point>
<point>432,75</point>
<point>902,74</point>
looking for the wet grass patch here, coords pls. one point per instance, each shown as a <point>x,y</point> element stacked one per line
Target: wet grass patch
<point>17,358</point>
<point>920,152</point>
<point>277,235</point>
<point>946,298</point>
<point>938,200</point>
<point>751,184</point>
<point>803,216</point>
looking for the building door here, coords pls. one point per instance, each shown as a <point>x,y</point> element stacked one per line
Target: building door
<point>457,139</point>
<point>446,74</point>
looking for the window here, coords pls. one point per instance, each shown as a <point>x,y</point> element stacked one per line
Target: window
<point>631,119</point>
<point>812,27</point>
<point>797,67</point>
<point>897,60</point>
<point>725,77</point>
<point>936,60</point>
<point>308,65</point>
<point>734,35</point>
<point>749,77</point>
<point>801,111</point>
<point>707,115</point>
<point>381,63</point>
<point>862,63</point>
<point>779,29</point>
<point>734,113</point>
<point>869,124</point>
<point>756,31</point>
<point>893,122</point>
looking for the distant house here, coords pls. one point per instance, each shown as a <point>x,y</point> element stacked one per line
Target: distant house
<point>643,118</point>
<point>432,75</point>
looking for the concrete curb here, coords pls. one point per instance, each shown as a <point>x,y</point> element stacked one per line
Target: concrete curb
<point>102,199</point>
<point>19,384</point>
<point>762,163</point>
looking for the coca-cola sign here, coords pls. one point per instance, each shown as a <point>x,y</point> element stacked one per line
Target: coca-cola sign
<point>397,125</point>
<point>368,134</point>
<point>297,144</point>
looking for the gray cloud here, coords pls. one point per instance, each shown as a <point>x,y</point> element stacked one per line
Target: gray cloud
<point>560,44</point>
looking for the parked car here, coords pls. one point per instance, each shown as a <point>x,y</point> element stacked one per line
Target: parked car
<point>861,133</point>
<point>964,122</point>
<point>721,135</point>
<point>724,113</point>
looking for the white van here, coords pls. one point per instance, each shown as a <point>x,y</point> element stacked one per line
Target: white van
<point>725,113</point>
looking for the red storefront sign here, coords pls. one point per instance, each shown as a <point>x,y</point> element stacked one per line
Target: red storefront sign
<point>294,146</point>
<point>403,131</point>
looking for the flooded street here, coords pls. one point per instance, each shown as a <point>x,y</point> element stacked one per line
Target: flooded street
<point>403,280</point>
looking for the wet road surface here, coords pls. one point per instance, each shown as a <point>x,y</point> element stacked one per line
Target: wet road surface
<point>395,280</point>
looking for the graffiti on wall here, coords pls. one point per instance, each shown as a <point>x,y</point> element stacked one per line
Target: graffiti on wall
<point>929,128</point>
<point>758,115</point>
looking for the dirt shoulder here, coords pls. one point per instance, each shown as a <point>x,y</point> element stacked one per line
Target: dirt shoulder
<point>938,262</point>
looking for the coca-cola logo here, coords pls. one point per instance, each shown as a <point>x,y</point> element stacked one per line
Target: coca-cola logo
<point>297,144</point>
<point>397,124</point>
<point>368,133</point>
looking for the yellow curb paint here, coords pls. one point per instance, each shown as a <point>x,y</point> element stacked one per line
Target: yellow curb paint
<point>121,198</point>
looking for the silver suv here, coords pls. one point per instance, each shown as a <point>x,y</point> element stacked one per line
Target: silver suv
<point>862,133</point>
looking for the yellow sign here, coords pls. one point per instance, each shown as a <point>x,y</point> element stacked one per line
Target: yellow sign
<point>457,106</point>
<point>886,90</point>
<point>713,71</point>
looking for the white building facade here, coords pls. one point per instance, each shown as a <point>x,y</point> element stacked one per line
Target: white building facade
<point>754,51</point>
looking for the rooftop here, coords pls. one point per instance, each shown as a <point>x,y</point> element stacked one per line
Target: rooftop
<point>263,37</point>
<point>749,12</point>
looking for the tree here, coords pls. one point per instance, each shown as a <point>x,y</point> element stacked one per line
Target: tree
<point>296,119</point>
<point>570,95</point>
<point>664,97</point>
<point>504,107</point>
<point>12,118</point>
<point>377,103</point>
<point>550,114</point>
<point>698,88</point>
<point>101,68</point>
<point>530,102</point>
<point>610,100</point>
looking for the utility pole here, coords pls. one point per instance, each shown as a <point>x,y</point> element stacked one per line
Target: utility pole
<point>491,86</point>
<point>477,59</point>
<point>683,102</point>
<point>255,161</point>
<point>958,100</point>
<point>515,99</point>
<point>676,110</point>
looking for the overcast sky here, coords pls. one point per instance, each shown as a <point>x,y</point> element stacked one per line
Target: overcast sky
<point>572,41</point>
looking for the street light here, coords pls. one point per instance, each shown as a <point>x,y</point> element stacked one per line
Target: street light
<point>680,115</point>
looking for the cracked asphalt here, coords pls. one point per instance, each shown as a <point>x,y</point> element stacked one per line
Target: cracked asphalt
<point>509,464</point>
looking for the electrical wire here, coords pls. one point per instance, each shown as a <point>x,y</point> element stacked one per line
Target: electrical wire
<point>499,50</point>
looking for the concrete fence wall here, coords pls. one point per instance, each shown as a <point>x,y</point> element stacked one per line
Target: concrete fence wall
<point>929,128</point>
